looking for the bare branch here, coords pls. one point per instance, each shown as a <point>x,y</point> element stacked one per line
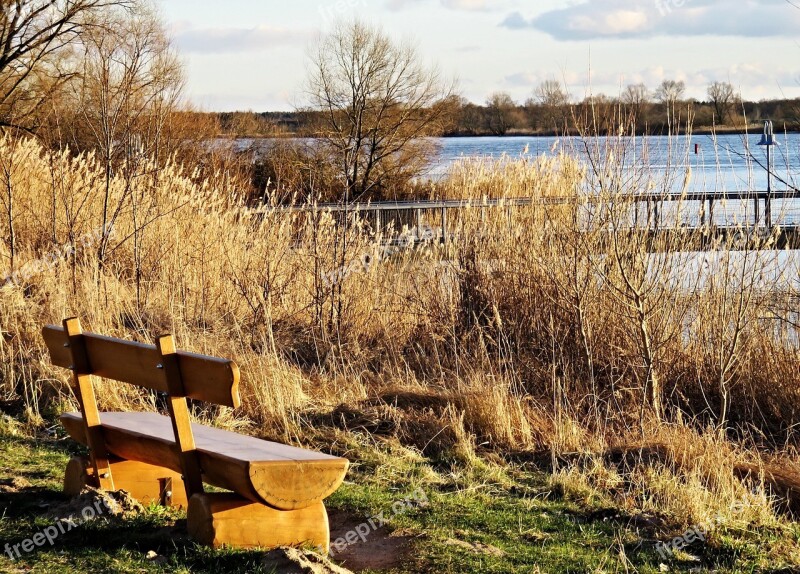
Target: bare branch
<point>378,102</point>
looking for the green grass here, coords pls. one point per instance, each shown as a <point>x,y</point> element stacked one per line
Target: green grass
<point>523,523</point>
<point>535,528</point>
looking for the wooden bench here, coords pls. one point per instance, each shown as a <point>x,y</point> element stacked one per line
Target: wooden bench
<point>276,491</point>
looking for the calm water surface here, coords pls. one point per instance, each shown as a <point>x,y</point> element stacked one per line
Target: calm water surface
<point>721,162</point>
<point>724,163</point>
<point>716,164</point>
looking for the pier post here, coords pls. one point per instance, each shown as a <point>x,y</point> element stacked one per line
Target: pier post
<point>755,210</point>
<point>655,216</point>
<point>711,212</point>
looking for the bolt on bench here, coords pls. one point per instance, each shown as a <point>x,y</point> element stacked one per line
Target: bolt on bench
<point>277,491</point>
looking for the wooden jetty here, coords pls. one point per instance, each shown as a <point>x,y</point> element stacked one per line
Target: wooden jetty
<point>647,215</point>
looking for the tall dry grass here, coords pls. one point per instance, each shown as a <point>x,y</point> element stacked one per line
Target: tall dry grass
<point>561,327</point>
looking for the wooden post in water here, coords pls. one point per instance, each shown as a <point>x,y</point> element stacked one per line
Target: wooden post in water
<point>711,212</point>
<point>755,210</point>
<point>768,200</point>
<point>767,140</point>
<point>655,215</point>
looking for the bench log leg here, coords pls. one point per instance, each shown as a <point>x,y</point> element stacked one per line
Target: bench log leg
<point>146,483</point>
<point>230,520</point>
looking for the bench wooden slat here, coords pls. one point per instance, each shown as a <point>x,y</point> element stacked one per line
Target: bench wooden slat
<point>205,378</point>
<point>282,476</point>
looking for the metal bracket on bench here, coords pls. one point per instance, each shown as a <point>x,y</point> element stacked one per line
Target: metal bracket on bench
<point>165,491</point>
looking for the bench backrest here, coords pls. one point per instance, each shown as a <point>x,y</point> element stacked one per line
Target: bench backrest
<point>160,367</point>
<point>204,378</point>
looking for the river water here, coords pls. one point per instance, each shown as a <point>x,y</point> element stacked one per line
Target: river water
<point>723,162</point>
<point>716,164</point>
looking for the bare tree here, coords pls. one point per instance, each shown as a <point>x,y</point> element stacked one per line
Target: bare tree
<point>670,92</point>
<point>500,113</point>
<point>550,93</point>
<point>728,322</point>
<point>378,102</point>
<point>722,96</point>
<point>470,117</point>
<point>552,100</point>
<point>131,82</point>
<point>794,110</point>
<point>636,98</point>
<point>33,34</point>
<point>597,113</point>
<point>8,166</point>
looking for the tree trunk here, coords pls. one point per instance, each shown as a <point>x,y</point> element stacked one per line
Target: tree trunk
<point>12,238</point>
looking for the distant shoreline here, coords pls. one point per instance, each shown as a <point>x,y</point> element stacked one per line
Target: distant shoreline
<point>752,130</point>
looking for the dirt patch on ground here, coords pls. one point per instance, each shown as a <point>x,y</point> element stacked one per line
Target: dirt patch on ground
<point>14,485</point>
<point>382,549</point>
<point>94,503</point>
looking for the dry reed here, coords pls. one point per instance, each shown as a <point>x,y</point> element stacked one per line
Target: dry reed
<point>555,327</point>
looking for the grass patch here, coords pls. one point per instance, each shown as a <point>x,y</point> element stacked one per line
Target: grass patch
<point>509,520</point>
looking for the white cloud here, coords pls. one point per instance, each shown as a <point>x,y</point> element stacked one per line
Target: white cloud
<point>458,5</point>
<point>237,40</point>
<point>470,5</point>
<point>400,4</point>
<point>600,19</point>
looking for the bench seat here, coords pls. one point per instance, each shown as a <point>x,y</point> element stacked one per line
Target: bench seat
<point>281,476</point>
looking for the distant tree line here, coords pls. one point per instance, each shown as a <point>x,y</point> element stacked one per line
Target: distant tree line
<point>552,110</point>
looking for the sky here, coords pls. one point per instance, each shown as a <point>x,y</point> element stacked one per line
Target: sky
<point>253,54</point>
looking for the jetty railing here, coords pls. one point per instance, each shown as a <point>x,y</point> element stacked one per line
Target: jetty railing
<point>654,203</point>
